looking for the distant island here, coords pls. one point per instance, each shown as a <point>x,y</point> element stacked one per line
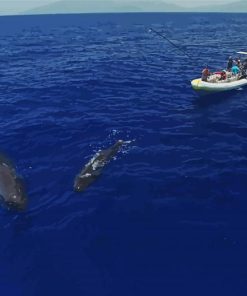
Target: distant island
<point>110,6</point>
<point>240,6</point>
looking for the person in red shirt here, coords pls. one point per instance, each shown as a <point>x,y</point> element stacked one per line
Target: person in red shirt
<point>223,75</point>
<point>205,73</point>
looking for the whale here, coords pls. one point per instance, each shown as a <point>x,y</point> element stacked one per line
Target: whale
<point>94,167</point>
<point>12,193</point>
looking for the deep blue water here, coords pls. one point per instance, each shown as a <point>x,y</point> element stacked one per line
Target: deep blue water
<point>168,215</point>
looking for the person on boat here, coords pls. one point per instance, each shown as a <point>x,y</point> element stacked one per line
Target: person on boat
<point>205,74</point>
<point>244,66</point>
<point>220,75</point>
<point>223,75</point>
<point>230,63</point>
<point>238,63</point>
<point>243,69</point>
<point>235,70</point>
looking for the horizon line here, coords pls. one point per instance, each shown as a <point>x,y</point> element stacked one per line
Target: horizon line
<point>127,12</point>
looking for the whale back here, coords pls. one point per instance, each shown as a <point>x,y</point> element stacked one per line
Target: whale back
<point>11,187</point>
<point>94,167</point>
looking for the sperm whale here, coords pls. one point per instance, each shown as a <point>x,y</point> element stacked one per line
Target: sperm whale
<point>94,167</point>
<point>12,193</point>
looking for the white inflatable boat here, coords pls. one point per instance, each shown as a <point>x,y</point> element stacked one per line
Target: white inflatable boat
<point>215,84</point>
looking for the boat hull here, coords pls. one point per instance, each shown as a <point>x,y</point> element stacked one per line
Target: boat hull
<point>204,88</point>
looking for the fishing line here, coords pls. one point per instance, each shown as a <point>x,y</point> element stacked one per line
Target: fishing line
<point>177,47</point>
<point>167,39</point>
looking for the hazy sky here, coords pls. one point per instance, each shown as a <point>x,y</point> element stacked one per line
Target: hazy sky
<point>200,3</point>
<point>16,6</point>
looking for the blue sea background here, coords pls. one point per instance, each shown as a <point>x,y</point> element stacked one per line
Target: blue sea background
<point>168,215</point>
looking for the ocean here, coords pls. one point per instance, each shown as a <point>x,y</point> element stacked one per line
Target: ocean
<point>168,214</point>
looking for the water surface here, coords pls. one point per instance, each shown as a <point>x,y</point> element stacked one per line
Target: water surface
<point>168,216</point>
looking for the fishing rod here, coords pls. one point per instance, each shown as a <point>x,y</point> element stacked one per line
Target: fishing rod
<point>176,46</point>
<point>167,39</point>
